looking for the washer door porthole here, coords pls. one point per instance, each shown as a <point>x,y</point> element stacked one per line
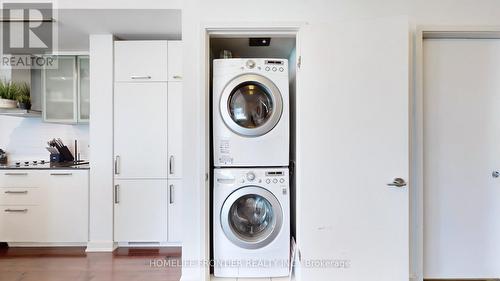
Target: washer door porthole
<point>251,217</point>
<point>251,105</point>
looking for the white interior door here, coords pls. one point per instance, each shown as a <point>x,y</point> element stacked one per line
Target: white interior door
<point>352,141</point>
<point>461,151</point>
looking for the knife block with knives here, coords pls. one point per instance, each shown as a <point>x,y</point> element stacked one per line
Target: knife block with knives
<point>59,152</point>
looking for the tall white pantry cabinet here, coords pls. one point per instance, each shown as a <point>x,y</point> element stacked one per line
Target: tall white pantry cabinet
<point>148,141</point>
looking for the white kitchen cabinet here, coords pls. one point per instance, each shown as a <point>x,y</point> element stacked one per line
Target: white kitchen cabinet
<point>141,61</point>
<point>66,90</point>
<point>175,130</point>
<point>140,130</point>
<point>175,211</point>
<point>140,210</point>
<point>60,91</point>
<point>148,141</point>
<point>23,223</point>
<point>44,206</point>
<point>83,89</point>
<point>67,206</point>
<point>174,60</point>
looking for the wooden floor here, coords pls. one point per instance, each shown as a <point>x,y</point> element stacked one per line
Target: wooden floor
<point>72,263</point>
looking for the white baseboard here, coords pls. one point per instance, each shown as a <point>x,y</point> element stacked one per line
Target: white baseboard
<point>148,244</point>
<point>45,244</point>
<point>101,246</point>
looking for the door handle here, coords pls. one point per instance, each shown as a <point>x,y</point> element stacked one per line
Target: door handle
<point>117,189</point>
<point>117,164</point>
<point>171,165</point>
<point>16,192</point>
<point>397,182</point>
<point>140,77</point>
<point>171,191</point>
<point>61,174</point>
<point>177,77</point>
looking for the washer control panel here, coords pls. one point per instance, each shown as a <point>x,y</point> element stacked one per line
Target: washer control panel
<point>267,177</point>
<point>258,176</point>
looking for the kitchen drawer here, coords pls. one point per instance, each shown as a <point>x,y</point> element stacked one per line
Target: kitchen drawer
<point>141,61</point>
<point>21,178</point>
<point>20,196</point>
<point>21,223</point>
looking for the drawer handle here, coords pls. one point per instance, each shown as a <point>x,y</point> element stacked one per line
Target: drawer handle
<point>140,77</point>
<point>177,77</point>
<point>16,210</point>
<point>16,192</point>
<point>61,174</point>
<point>16,174</point>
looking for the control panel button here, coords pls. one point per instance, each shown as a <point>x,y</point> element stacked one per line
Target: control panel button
<point>275,180</point>
<point>274,68</point>
<point>282,180</point>
<point>267,68</point>
<point>250,176</point>
<point>281,69</point>
<point>250,64</point>
<point>268,181</point>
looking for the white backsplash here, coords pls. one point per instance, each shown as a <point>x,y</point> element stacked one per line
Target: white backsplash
<point>26,138</point>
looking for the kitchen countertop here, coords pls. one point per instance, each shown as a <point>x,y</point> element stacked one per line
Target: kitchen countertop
<point>47,166</point>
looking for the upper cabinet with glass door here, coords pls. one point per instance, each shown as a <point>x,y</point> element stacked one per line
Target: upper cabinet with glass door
<point>83,89</point>
<point>65,90</point>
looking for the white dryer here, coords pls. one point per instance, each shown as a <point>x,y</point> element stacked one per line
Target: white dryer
<point>251,126</point>
<point>251,232</point>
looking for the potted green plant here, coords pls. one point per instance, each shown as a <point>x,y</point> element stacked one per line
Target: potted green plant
<point>23,96</point>
<point>8,94</point>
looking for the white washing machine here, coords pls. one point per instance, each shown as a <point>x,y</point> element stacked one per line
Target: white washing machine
<point>251,109</point>
<point>251,233</point>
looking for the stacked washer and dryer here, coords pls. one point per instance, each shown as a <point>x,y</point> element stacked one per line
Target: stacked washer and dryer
<point>251,192</point>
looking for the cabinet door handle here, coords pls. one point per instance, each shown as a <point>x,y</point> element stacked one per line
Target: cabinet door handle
<point>16,192</point>
<point>61,174</point>
<point>117,164</point>
<point>16,174</point>
<point>171,191</point>
<point>177,77</point>
<point>135,77</point>
<point>117,189</point>
<point>171,165</point>
<point>16,210</point>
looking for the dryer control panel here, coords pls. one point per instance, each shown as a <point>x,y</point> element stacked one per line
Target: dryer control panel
<point>278,66</point>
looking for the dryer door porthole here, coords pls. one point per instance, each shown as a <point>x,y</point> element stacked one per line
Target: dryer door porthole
<point>251,217</point>
<point>251,105</point>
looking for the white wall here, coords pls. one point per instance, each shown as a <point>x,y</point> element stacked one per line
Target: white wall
<point>26,138</point>
<point>197,12</point>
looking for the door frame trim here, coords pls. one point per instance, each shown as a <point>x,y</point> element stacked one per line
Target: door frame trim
<point>423,32</point>
<point>210,30</point>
